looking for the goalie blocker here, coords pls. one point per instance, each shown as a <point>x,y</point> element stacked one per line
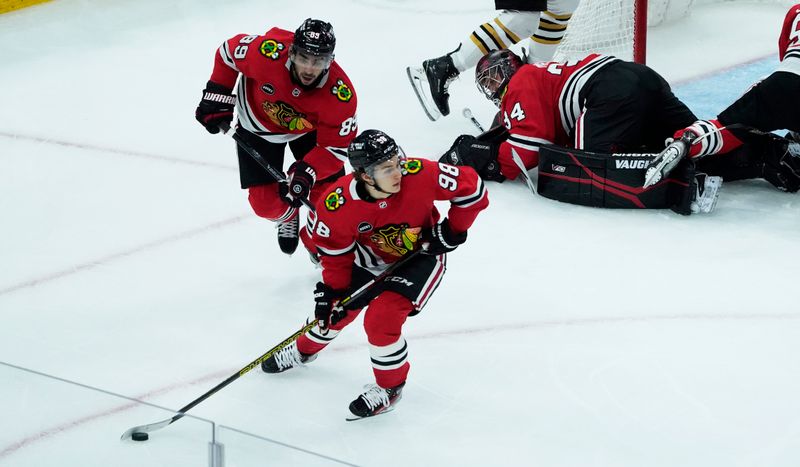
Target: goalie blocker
<point>614,181</point>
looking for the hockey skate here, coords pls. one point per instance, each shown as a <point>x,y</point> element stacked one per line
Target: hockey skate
<point>667,159</point>
<point>707,193</point>
<point>286,358</point>
<point>288,234</point>
<point>375,400</point>
<point>430,84</point>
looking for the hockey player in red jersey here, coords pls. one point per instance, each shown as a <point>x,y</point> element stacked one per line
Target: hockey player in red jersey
<point>600,109</point>
<point>291,91</point>
<point>739,152</point>
<point>598,103</point>
<point>368,220</point>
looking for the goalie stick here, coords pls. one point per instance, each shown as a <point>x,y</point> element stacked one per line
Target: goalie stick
<point>523,171</point>
<point>467,113</point>
<point>257,362</point>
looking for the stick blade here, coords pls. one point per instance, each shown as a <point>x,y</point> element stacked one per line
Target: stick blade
<point>144,429</point>
<point>524,173</point>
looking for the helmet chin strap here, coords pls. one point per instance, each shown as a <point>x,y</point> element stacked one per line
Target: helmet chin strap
<point>375,186</point>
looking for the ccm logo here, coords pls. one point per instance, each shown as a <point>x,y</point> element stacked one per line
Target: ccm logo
<point>559,168</point>
<point>401,280</point>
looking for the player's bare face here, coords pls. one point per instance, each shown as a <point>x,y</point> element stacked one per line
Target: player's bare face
<point>307,68</point>
<point>387,176</point>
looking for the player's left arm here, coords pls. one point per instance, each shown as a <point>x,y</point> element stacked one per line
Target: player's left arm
<point>465,190</point>
<point>337,126</point>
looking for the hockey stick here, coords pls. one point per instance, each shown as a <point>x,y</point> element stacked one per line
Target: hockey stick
<point>467,113</point>
<point>272,171</point>
<point>257,362</point>
<point>493,133</point>
<point>523,171</point>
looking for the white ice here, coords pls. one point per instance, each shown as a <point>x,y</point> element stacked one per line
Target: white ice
<point>561,335</point>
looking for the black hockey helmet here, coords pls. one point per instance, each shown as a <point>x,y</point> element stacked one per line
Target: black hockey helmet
<point>370,148</point>
<point>494,71</point>
<point>314,37</point>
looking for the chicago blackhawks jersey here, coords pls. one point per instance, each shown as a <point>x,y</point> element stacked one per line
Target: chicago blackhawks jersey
<point>273,106</point>
<point>541,105</point>
<point>352,228</point>
<point>789,42</point>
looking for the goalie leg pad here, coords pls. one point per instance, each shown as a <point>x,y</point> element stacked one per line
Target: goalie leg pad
<point>612,180</point>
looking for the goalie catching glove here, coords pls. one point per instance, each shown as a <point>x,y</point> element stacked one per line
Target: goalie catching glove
<point>480,155</point>
<point>440,239</point>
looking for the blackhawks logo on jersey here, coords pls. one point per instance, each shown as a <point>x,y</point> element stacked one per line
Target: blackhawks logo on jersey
<point>397,240</point>
<point>283,114</point>
<point>341,91</point>
<point>334,200</point>
<point>411,166</point>
<point>271,48</point>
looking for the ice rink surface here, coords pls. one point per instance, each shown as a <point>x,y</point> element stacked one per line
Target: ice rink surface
<point>561,335</point>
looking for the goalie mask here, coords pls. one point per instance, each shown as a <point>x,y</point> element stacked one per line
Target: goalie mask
<point>371,148</point>
<point>493,73</point>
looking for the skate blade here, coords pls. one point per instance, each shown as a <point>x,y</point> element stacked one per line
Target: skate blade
<point>420,85</point>
<point>651,177</point>
<point>669,158</point>
<point>352,418</point>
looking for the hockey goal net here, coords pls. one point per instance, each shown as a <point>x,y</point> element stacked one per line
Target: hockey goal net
<point>619,27</point>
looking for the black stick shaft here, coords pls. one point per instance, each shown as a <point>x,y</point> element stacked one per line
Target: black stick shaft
<point>257,362</point>
<point>274,173</point>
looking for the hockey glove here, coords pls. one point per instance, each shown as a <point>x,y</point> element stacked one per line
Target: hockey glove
<point>440,239</point>
<point>301,180</point>
<point>327,309</point>
<point>216,107</point>
<point>480,155</point>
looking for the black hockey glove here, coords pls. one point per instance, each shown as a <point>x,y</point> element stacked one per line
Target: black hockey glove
<point>480,155</point>
<point>216,107</point>
<point>441,239</point>
<point>301,179</point>
<point>327,311</point>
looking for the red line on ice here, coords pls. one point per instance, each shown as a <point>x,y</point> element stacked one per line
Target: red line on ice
<point>124,152</point>
<point>137,249</point>
<point>56,430</point>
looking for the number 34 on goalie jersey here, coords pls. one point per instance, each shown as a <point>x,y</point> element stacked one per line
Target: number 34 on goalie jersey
<point>516,114</point>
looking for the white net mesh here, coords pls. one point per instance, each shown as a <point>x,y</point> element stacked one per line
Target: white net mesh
<point>607,26</point>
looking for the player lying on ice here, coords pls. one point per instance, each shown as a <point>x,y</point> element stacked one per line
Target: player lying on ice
<point>737,138</point>
<point>613,114</point>
<point>369,219</point>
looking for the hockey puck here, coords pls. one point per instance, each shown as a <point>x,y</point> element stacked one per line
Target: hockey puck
<point>140,436</point>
